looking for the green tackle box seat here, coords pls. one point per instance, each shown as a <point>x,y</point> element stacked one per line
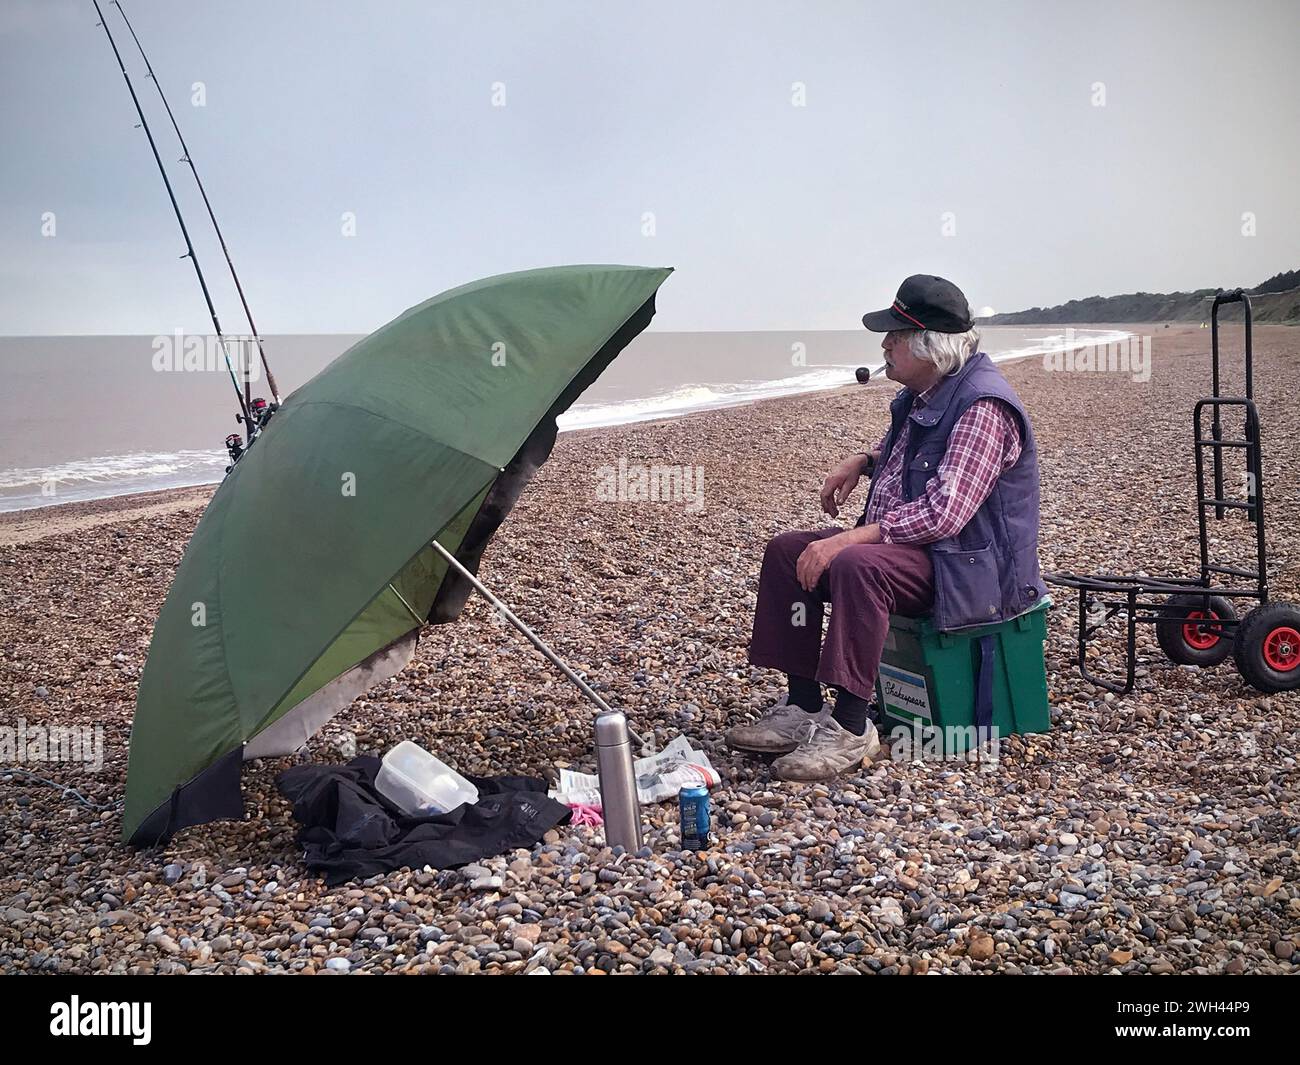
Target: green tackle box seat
<point>929,681</point>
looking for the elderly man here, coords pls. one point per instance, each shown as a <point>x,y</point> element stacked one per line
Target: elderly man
<point>950,527</point>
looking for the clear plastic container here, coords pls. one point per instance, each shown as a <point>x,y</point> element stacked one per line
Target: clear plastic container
<point>420,783</point>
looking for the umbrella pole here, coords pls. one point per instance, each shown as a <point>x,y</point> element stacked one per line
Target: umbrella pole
<point>532,637</point>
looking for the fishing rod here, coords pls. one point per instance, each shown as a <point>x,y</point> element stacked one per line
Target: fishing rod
<point>189,244</point>
<point>189,161</point>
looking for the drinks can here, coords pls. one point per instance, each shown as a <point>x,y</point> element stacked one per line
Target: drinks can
<point>697,818</point>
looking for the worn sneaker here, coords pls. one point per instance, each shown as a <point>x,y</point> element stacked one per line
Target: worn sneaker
<point>779,731</point>
<point>829,751</point>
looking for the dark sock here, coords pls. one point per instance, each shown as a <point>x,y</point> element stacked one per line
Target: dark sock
<point>850,711</point>
<point>806,693</point>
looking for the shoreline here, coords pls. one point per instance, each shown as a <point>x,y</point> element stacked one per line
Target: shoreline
<point>20,526</point>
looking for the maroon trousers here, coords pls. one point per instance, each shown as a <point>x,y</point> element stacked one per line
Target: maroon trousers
<point>865,583</point>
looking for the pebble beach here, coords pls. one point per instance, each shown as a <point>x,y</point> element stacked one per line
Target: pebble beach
<point>1156,832</point>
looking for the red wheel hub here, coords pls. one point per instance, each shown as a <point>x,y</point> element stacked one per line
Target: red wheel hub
<point>1201,637</point>
<point>1282,649</point>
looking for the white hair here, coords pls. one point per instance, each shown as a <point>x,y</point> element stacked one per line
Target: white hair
<point>948,351</point>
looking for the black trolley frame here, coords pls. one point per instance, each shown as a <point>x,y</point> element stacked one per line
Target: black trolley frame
<point>1146,599</point>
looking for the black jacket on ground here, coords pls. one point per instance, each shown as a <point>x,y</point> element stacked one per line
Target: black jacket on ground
<point>350,830</point>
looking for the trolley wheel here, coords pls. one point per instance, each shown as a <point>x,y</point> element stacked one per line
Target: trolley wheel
<point>1267,647</point>
<point>1189,637</point>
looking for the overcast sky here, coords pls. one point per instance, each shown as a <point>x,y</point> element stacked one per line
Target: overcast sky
<point>798,159</point>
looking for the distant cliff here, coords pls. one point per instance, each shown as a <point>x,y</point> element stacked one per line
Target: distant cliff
<point>1276,300</point>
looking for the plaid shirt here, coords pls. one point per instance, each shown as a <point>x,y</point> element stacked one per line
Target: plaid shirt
<point>983,443</point>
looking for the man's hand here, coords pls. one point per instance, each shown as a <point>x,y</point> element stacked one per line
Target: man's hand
<point>841,481</point>
<point>815,558</point>
<point>818,555</point>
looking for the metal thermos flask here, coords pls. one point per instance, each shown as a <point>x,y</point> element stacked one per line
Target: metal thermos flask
<point>620,808</point>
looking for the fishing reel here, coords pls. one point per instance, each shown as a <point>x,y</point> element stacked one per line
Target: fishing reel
<point>259,413</point>
<point>234,448</point>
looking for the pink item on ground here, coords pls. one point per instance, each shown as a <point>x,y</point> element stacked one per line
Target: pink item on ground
<point>585,815</point>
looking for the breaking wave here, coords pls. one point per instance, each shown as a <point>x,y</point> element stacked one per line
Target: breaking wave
<point>108,475</point>
<point>690,398</point>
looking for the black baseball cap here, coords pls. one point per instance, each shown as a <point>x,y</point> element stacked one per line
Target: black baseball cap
<point>923,302</point>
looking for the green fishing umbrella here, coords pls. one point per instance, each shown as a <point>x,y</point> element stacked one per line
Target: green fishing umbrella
<point>357,517</point>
